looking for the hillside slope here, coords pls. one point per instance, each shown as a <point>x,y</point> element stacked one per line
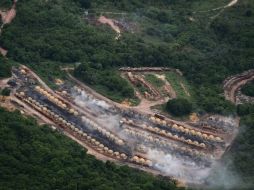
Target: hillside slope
<point>33,157</point>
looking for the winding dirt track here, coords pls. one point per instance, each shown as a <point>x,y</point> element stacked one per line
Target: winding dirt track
<point>233,83</point>
<point>230,4</point>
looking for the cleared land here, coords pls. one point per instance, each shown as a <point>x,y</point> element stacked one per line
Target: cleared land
<point>111,131</point>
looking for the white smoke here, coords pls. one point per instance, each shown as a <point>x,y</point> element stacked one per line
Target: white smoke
<point>109,120</point>
<point>83,99</point>
<point>186,171</point>
<point>222,177</point>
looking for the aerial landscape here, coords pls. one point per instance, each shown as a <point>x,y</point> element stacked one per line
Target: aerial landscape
<point>127,94</point>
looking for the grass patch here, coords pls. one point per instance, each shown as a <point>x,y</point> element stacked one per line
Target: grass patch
<point>176,80</point>
<point>155,81</point>
<point>107,82</point>
<point>109,94</point>
<point>142,89</point>
<point>112,95</point>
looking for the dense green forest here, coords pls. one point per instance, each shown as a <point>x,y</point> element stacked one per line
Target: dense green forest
<point>176,33</point>
<point>248,89</point>
<point>245,109</point>
<point>33,157</point>
<point>6,3</point>
<point>206,50</point>
<point>5,68</point>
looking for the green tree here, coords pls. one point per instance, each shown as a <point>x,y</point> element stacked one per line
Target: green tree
<point>33,157</point>
<point>245,109</point>
<point>85,3</point>
<point>248,89</point>
<point>6,92</point>
<point>5,68</point>
<point>179,107</point>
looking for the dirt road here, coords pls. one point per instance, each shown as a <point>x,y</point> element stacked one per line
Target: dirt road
<point>232,84</point>
<point>145,105</point>
<point>230,4</point>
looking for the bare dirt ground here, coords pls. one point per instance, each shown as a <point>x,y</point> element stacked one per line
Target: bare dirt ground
<point>145,105</point>
<point>111,23</point>
<point>3,82</point>
<point>165,92</point>
<point>8,16</point>
<point>3,51</point>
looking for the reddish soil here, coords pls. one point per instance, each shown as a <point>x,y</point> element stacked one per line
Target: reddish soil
<point>111,23</point>
<point>3,51</point>
<point>8,16</point>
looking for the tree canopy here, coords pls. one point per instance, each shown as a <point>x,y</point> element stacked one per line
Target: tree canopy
<point>33,157</point>
<point>206,52</point>
<point>5,68</point>
<point>248,89</point>
<point>179,107</point>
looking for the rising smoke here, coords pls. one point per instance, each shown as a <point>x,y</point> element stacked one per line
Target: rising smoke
<point>86,100</point>
<point>216,176</point>
<point>223,177</point>
<point>181,169</point>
